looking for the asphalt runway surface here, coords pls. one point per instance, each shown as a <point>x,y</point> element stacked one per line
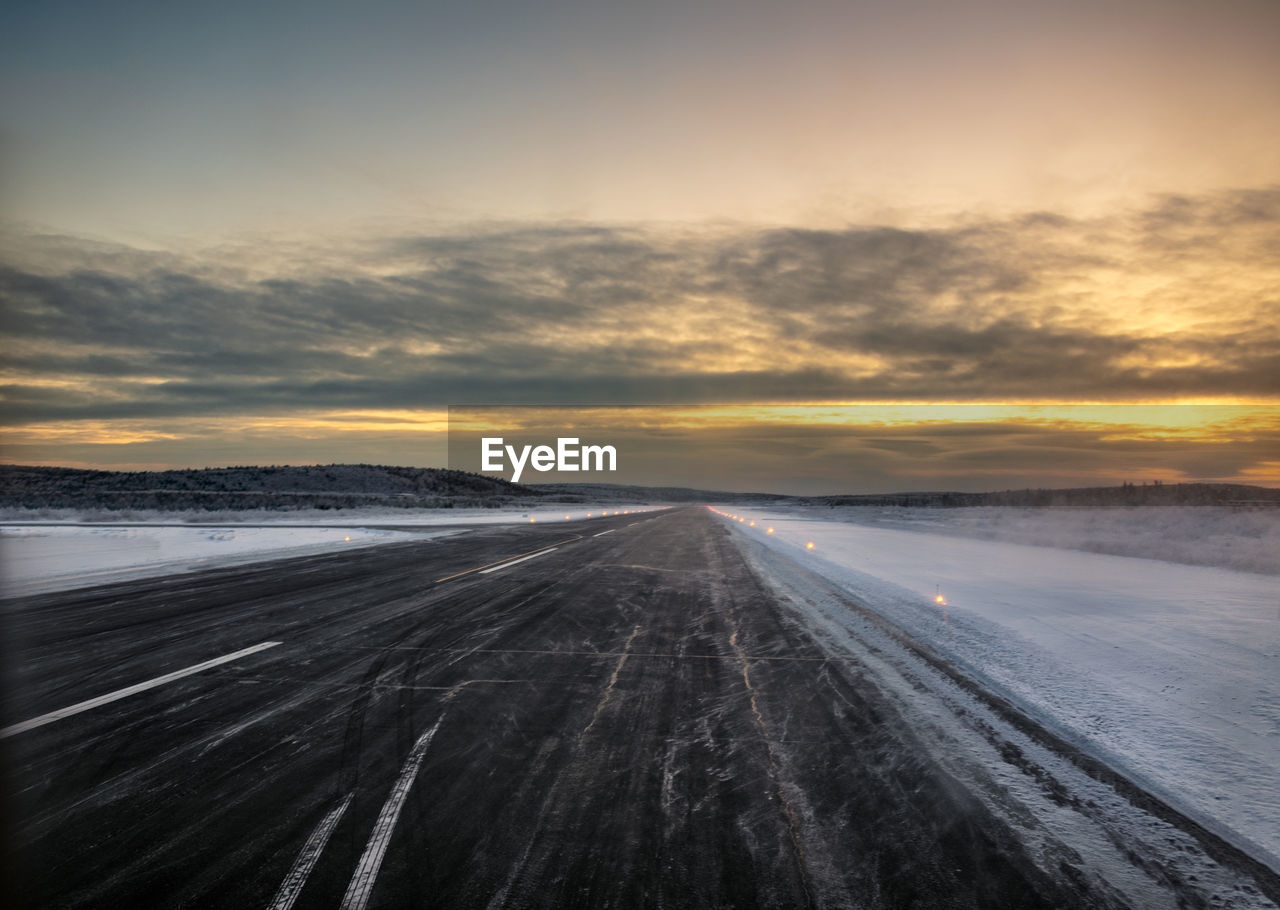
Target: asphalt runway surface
<point>615,712</point>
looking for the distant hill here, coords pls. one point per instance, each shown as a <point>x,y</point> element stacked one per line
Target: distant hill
<point>335,486</point>
<point>348,486</point>
<point>617,492</point>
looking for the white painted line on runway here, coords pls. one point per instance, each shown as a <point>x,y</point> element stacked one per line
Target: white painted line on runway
<point>291,887</point>
<point>361,887</point>
<point>602,533</point>
<point>514,561</point>
<point>131,690</point>
<point>507,560</point>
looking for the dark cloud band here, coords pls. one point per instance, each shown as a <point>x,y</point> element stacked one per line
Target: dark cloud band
<point>1035,307</point>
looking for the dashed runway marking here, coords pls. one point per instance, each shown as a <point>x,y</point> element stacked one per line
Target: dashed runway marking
<point>514,561</point>
<point>131,690</point>
<point>508,560</point>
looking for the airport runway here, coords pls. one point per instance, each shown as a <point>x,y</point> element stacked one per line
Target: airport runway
<point>605,713</point>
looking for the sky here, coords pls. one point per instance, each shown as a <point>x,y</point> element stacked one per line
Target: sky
<point>297,233</point>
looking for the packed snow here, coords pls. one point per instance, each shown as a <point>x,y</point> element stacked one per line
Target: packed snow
<point>1229,538</point>
<point>1168,672</point>
<point>344,518</point>
<point>58,558</point>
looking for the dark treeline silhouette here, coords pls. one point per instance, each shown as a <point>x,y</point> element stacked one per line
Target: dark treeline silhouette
<point>1128,494</point>
<point>347,486</point>
<point>334,486</point>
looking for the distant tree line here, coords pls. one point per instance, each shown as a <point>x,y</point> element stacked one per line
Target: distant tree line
<point>1127,494</point>
<point>349,486</point>
<point>275,487</point>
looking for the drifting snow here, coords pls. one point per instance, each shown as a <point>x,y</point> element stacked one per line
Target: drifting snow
<point>1169,673</point>
<point>58,558</point>
<point>1200,536</point>
<point>55,555</point>
<point>345,518</point>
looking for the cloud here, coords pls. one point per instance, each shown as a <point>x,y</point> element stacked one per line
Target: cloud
<point>1176,299</point>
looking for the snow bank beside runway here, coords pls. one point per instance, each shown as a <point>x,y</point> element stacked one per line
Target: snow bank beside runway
<point>1248,540</point>
<point>1168,672</point>
<point>58,555</point>
<point>35,559</point>
<point>337,518</point>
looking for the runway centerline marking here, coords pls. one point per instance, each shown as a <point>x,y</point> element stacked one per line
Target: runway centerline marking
<point>507,559</point>
<point>131,690</point>
<point>602,533</point>
<point>311,850</point>
<point>553,652</point>
<point>512,562</point>
<point>361,887</point>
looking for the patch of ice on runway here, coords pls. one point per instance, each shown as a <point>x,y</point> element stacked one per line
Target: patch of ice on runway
<point>1169,672</point>
<point>55,558</point>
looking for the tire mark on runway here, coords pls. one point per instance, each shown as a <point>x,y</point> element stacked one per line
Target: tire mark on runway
<point>366,874</point>
<point>520,877</point>
<point>119,786</point>
<point>369,686</point>
<point>353,737</point>
<point>378,687</point>
<point>422,660</point>
<point>291,887</point>
<point>633,655</point>
<point>683,573</point>
<point>793,818</point>
<point>613,681</point>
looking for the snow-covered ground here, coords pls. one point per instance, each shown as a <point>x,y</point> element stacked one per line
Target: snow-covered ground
<point>345,518</point>
<point>56,555</point>
<point>1195,535</point>
<point>1168,672</point>
<point>61,557</point>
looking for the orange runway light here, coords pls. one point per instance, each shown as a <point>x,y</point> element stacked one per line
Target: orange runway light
<point>771,530</point>
<point>809,545</point>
